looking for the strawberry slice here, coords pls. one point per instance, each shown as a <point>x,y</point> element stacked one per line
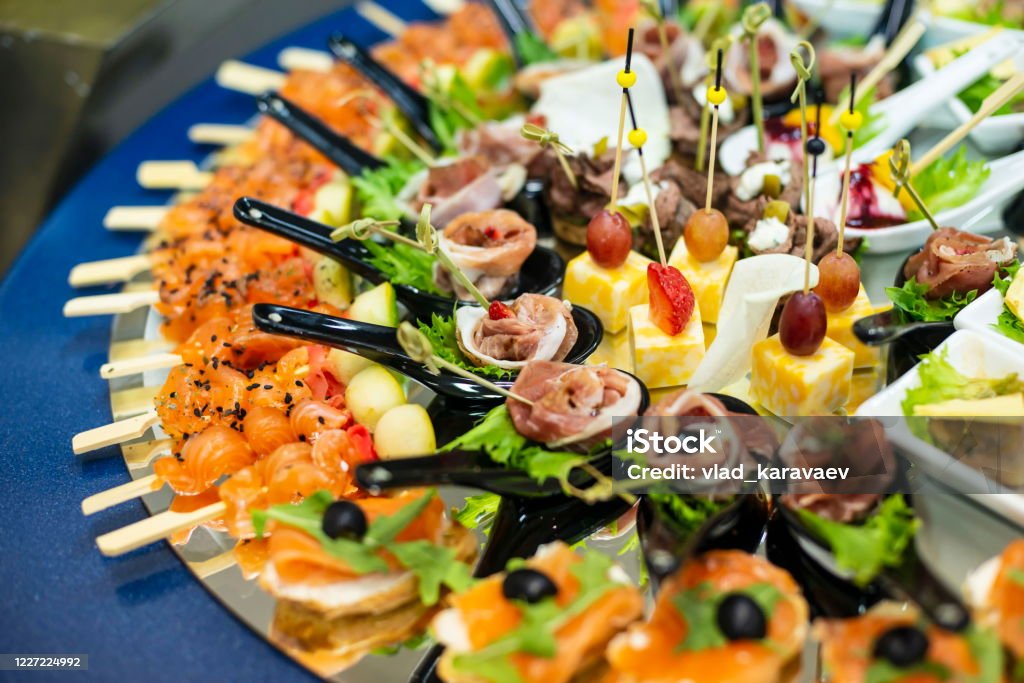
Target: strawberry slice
<point>498,310</point>
<point>671,298</point>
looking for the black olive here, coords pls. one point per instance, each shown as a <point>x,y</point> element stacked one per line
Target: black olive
<point>903,646</point>
<point>344,518</point>
<point>528,585</point>
<point>740,618</point>
<point>815,147</point>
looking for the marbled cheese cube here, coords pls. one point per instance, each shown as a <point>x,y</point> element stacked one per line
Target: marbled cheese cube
<point>708,280</point>
<point>608,292</point>
<point>840,329</point>
<point>660,360</point>
<point>795,386</point>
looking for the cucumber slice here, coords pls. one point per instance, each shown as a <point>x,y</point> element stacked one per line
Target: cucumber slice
<point>371,393</point>
<point>377,306</point>
<point>332,282</point>
<point>404,431</point>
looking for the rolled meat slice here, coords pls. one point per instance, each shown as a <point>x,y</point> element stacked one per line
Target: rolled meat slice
<point>687,403</point>
<point>542,328</point>
<point>954,261</point>
<point>464,185</point>
<point>572,404</point>
<point>490,247</point>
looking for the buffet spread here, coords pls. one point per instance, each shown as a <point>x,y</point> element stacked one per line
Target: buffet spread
<point>470,257</point>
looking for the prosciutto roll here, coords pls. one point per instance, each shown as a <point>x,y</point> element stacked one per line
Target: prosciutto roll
<point>467,184</point>
<point>955,261</point>
<point>540,328</point>
<point>490,247</point>
<point>572,404</point>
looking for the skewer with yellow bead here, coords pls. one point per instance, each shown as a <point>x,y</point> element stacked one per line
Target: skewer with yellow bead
<point>838,272</point>
<point>707,232</point>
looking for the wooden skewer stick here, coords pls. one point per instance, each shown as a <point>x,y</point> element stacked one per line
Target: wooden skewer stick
<point>851,120</point>
<point>131,218</point>
<point>108,271</point>
<point>899,167</point>
<point>547,138</point>
<point>248,79</point>
<point>221,134</point>
<point>121,494</point>
<point>172,175</point>
<point>814,153</point>
<point>426,235</point>
<point>214,565</point>
<point>139,455</point>
<point>114,433</point>
<point>804,71</point>
<point>381,18</point>
<point>295,58</point>
<point>155,528</point>
<point>637,138</point>
<point>901,46</point>
<point>132,402</point>
<point>135,366</point>
<point>715,96</point>
<point>109,304</point>
<point>993,102</point>
<point>625,79</point>
<point>753,18</point>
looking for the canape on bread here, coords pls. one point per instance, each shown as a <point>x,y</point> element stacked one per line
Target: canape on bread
<point>350,576</point>
<point>895,643</point>
<point>545,620</point>
<point>725,616</point>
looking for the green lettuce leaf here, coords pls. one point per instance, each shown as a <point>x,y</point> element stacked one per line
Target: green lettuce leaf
<point>377,189</point>
<point>699,608</point>
<point>453,110</point>
<point>1010,325</point>
<point>1004,277</point>
<point>865,549</point>
<point>688,513</point>
<point>974,95</point>
<point>403,265</point>
<point>940,381</point>
<point>479,511</point>
<point>533,49</point>
<point>910,300</point>
<point>441,333</point>
<point>949,181</point>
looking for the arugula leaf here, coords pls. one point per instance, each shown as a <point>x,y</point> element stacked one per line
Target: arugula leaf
<point>940,381</point>
<point>865,549</point>
<point>910,300</point>
<point>699,609</point>
<point>949,181</point>
<point>378,189</point>
<point>478,511</point>
<point>384,528</point>
<point>533,49</point>
<point>537,631</point>
<point>987,652</point>
<point>434,566</point>
<point>441,333</point>
<point>402,264</point>
<point>884,671</point>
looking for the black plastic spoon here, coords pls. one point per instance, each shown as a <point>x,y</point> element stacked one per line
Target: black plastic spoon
<point>514,22</point>
<point>413,104</point>
<point>338,148</point>
<point>379,343</point>
<point>541,273</point>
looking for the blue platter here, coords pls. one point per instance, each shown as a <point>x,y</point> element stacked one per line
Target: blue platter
<point>142,616</point>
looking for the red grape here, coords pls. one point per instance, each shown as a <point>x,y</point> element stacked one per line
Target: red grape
<point>706,234</point>
<point>838,281</point>
<point>609,239</point>
<point>803,324</point>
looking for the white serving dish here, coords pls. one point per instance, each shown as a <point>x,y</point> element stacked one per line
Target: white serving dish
<point>994,135</point>
<point>976,355</point>
<point>981,316</point>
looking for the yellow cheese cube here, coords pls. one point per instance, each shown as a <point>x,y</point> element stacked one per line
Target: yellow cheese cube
<point>1014,298</point>
<point>660,360</point>
<point>608,292</point>
<point>794,386</point>
<point>840,329</point>
<point>708,280</point>
<point>866,383</point>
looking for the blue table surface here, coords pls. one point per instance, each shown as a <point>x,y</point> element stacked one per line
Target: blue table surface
<point>142,615</point>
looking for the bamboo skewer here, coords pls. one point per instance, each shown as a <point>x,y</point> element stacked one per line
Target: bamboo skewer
<point>221,134</point>
<point>993,102</point>
<point>109,304</point>
<point>121,494</point>
<point>132,218</point>
<point>625,79</point>
<point>214,565</point>
<point>381,18</point>
<point>155,528</point>
<point>135,366</point>
<point>114,433</point>
<point>139,455</point>
<point>136,348</point>
<point>132,402</point>
<point>108,271</point>
<point>248,79</point>
<point>295,58</point>
<point>172,175</point>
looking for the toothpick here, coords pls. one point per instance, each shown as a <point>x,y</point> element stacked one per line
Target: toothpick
<point>993,102</point>
<point>364,228</point>
<point>625,79</point>
<point>809,244</point>
<point>804,71</point>
<point>426,234</point>
<point>403,138</point>
<point>547,138</point>
<point>851,120</point>
<point>419,349</point>
<point>155,528</point>
<point>717,93</point>
<point>753,18</point>
<point>719,45</point>
<point>899,167</point>
<point>637,138</point>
